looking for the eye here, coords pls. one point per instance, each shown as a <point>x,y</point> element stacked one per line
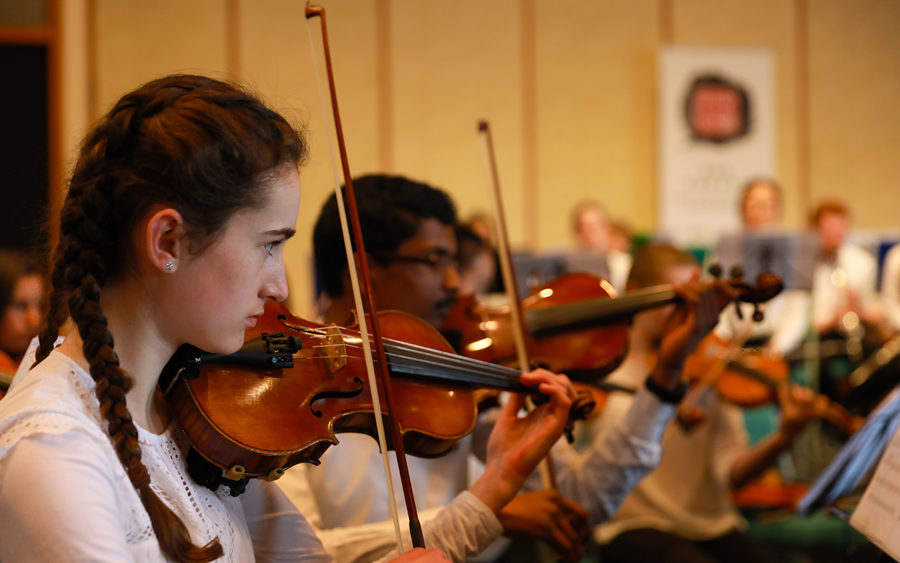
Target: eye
<point>270,246</point>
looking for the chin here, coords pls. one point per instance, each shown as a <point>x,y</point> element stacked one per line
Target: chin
<point>225,346</point>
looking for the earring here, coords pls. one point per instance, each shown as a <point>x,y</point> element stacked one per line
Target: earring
<point>170,266</point>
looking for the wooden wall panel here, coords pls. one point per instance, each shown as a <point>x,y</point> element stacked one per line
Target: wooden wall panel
<point>455,63</point>
<point>138,40</point>
<point>854,115</point>
<point>569,87</point>
<point>766,23</point>
<point>596,133</point>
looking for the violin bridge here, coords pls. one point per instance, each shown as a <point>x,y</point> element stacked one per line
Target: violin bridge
<point>335,351</point>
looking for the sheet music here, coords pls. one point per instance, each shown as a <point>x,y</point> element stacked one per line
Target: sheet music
<point>878,514</point>
<point>854,463</point>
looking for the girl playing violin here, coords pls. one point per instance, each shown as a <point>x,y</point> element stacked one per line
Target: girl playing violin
<point>172,233</point>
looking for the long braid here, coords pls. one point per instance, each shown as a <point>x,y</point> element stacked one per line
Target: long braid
<point>224,143</point>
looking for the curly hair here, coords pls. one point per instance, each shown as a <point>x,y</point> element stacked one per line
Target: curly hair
<point>390,210</point>
<point>205,147</point>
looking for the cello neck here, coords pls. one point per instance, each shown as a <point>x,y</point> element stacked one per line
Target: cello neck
<point>581,314</point>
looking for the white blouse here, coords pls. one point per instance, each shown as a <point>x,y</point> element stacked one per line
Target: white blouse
<point>65,496</point>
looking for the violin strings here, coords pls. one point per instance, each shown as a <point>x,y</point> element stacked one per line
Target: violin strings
<point>420,360</point>
<point>415,359</point>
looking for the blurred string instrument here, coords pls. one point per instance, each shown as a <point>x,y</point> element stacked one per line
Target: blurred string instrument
<point>575,324</point>
<point>744,378</point>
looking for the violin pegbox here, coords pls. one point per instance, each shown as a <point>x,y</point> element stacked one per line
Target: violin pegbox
<point>768,285</point>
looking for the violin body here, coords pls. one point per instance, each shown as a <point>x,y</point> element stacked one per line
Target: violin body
<point>268,419</point>
<point>748,380</point>
<point>583,353</point>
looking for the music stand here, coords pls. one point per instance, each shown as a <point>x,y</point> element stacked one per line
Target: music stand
<point>855,461</point>
<point>791,256</point>
<point>535,270</point>
<point>588,262</point>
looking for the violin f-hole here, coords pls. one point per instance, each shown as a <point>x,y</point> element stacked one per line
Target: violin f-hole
<point>335,394</point>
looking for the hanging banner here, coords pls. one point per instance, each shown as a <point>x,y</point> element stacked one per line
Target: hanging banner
<point>717,131</point>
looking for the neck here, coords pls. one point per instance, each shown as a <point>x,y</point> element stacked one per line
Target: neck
<point>141,349</point>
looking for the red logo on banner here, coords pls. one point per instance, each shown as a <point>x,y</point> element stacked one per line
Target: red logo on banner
<point>717,110</point>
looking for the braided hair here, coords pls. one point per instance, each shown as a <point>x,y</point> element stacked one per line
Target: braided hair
<point>204,147</point>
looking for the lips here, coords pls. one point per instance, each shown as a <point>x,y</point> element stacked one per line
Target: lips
<point>253,320</point>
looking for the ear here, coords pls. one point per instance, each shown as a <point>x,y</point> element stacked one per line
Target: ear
<point>166,239</point>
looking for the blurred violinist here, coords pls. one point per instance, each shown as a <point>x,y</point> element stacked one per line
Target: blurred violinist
<point>414,269</point>
<point>599,238</point>
<point>478,269</point>
<point>844,292</point>
<point>890,288</point>
<point>787,318</point>
<point>682,511</point>
<point>22,305</point>
<point>848,315</point>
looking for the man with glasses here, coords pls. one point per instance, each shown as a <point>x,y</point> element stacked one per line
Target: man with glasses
<point>408,229</point>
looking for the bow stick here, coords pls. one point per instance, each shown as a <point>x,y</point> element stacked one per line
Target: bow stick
<point>364,295</point>
<point>509,275</point>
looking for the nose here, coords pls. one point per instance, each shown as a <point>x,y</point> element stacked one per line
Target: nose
<point>451,279</point>
<point>276,287</point>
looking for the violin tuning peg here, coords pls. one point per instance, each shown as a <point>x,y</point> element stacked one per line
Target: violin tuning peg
<point>758,315</point>
<point>715,270</point>
<point>737,272</point>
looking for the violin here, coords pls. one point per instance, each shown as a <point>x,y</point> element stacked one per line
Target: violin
<point>747,379</point>
<point>296,384</point>
<point>576,323</point>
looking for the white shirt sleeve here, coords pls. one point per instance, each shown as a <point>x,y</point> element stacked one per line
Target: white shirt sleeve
<point>279,531</point>
<point>463,528</point>
<point>625,448</point>
<point>59,504</point>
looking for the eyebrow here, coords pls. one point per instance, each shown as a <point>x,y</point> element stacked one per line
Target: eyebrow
<point>285,233</point>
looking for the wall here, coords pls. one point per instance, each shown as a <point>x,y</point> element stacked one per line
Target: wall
<point>568,87</point>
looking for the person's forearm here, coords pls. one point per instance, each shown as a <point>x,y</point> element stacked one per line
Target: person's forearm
<point>764,454</point>
<point>494,489</point>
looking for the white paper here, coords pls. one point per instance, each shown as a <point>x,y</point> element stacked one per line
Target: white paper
<point>878,514</point>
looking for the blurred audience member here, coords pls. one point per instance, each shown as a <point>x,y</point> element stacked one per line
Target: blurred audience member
<point>760,205</point>
<point>844,291</point>
<point>481,224</point>
<point>890,287</point>
<point>786,317</point>
<point>22,306</point>
<point>477,263</point>
<point>619,236</point>
<point>592,230</point>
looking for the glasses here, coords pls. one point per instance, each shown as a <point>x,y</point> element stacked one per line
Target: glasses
<point>438,260</point>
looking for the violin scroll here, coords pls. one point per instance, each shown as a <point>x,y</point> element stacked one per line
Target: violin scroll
<point>768,286</point>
